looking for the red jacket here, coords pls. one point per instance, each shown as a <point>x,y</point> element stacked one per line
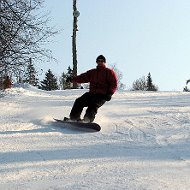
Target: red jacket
<point>102,80</point>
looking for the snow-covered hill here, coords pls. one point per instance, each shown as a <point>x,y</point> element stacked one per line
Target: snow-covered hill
<point>144,142</point>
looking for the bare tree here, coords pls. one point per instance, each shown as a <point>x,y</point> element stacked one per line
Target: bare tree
<point>119,74</point>
<point>23,34</point>
<point>139,84</point>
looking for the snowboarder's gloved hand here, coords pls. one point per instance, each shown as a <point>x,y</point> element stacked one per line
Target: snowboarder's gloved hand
<point>108,97</point>
<point>69,79</point>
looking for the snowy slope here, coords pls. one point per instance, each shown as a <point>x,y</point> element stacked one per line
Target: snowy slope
<point>144,142</point>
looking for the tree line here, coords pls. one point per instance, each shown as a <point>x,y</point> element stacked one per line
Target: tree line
<point>51,82</point>
<point>144,84</point>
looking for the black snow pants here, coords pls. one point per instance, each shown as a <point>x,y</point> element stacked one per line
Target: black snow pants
<point>89,100</point>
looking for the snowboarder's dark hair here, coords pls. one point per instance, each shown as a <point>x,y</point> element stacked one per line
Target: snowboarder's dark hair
<point>101,57</point>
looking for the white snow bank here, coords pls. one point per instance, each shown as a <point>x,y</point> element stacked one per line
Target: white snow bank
<point>144,142</point>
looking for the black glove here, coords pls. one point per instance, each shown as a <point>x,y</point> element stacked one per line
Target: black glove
<point>69,79</point>
<point>108,97</point>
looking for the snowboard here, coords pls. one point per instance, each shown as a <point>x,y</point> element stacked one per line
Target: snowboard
<point>81,125</point>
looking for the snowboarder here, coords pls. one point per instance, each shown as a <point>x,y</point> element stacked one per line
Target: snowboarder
<point>103,84</point>
<point>7,83</point>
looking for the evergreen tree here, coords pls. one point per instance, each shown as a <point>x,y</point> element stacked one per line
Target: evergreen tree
<point>50,82</point>
<point>69,74</point>
<point>66,85</point>
<point>63,81</point>
<point>150,85</point>
<point>30,75</point>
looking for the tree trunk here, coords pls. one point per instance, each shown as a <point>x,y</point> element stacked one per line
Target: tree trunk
<point>74,49</point>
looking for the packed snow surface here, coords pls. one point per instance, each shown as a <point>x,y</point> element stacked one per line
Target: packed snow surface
<point>144,143</point>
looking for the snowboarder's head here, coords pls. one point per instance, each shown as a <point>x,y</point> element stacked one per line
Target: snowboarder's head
<point>100,60</point>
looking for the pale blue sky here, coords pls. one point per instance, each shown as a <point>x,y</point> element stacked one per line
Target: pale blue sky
<point>139,36</point>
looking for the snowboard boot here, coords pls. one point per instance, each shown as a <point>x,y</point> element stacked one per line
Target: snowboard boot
<point>86,120</point>
<point>72,120</point>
